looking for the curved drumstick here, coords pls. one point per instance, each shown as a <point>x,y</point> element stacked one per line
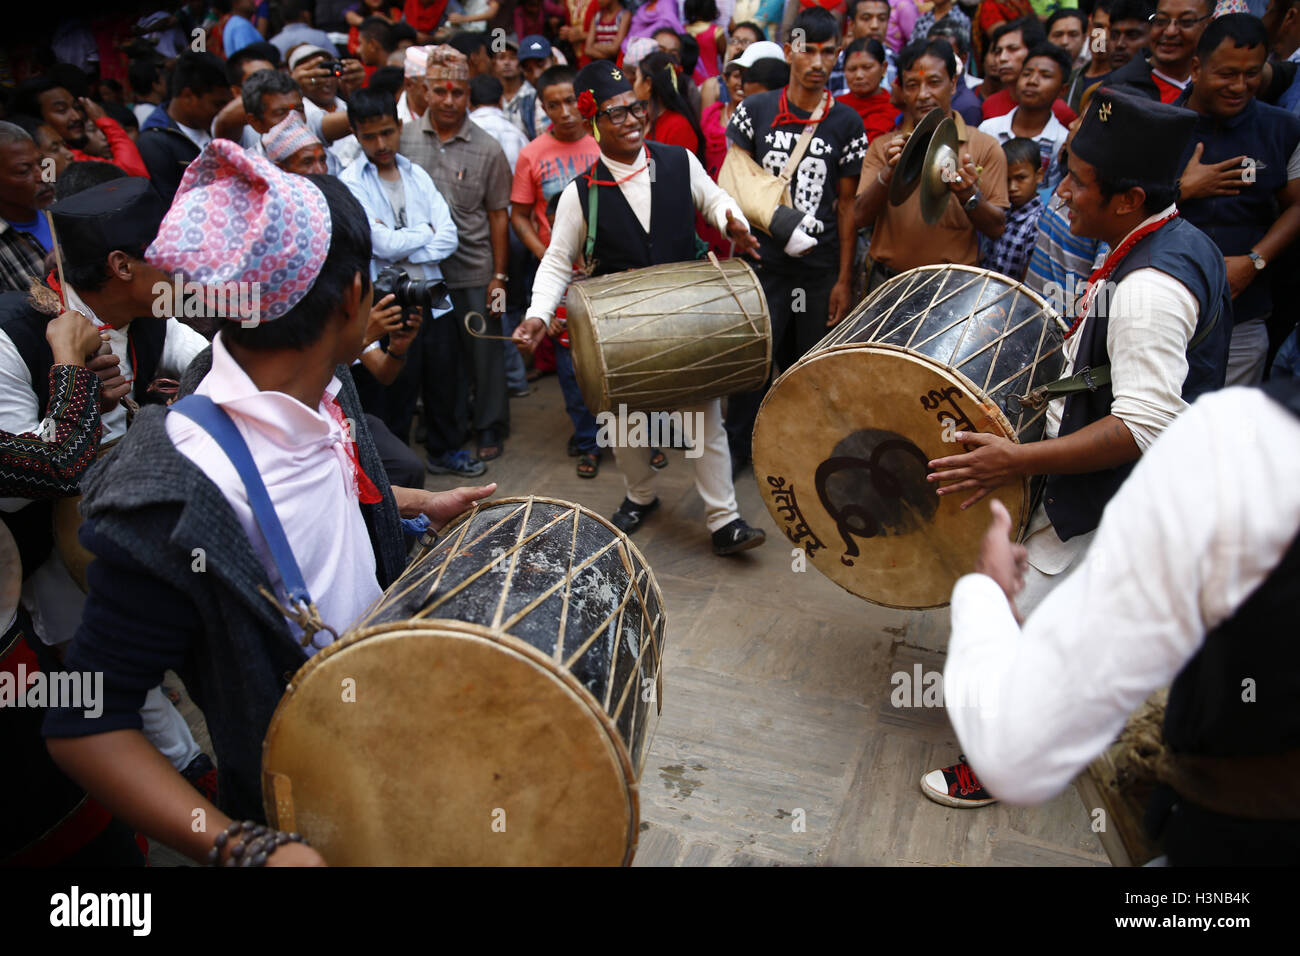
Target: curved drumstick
<point>479,335</point>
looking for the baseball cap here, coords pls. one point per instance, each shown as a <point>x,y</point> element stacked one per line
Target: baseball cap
<point>534,48</point>
<point>758,50</point>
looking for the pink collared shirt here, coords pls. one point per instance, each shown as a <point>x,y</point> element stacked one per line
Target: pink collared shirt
<point>302,456</point>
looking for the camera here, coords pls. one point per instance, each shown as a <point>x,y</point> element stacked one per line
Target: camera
<point>334,66</point>
<point>408,292</point>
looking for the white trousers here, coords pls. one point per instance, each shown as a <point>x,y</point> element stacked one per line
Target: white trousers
<point>712,467</point>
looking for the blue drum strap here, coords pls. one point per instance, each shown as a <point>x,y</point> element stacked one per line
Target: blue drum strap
<point>212,418</point>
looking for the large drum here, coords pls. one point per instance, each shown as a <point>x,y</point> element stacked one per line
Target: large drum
<point>843,439</point>
<point>659,338</point>
<point>494,707</point>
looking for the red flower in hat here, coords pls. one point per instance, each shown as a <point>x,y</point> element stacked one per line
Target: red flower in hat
<point>587,104</point>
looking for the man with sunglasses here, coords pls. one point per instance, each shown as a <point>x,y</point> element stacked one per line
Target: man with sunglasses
<point>637,181</point>
<point>1176,27</point>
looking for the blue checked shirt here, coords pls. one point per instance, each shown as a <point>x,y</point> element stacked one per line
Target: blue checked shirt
<point>1010,254</point>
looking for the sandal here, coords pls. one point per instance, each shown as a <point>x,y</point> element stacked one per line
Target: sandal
<point>658,460</point>
<point>588,465</point>
<point>489,445</point>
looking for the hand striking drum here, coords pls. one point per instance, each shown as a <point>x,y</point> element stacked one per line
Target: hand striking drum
<point>843,438</point>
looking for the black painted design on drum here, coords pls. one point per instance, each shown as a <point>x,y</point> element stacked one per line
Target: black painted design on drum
<point>788,506</point>
<point>874,485</point>
<point>953,420</point>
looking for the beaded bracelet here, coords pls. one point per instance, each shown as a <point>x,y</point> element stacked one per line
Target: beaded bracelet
<point>257,843</point>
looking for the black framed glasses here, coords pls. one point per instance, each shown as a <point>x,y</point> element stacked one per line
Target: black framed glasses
<point>1186,24</point>
<point>618,114</point>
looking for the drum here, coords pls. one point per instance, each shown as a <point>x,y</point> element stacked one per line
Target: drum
<point>843,438</point>
<point>659,338</point>
<point>494,707</point>
<point>1120,783</point>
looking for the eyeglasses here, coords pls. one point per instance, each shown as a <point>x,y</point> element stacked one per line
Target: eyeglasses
<point>1186,24</point>
<point>618,114</point>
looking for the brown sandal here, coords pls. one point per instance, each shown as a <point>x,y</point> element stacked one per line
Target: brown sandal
<point>588,466</point>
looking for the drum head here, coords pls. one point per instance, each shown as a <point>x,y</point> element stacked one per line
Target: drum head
<point>860,423</point>
<point>437,743</point>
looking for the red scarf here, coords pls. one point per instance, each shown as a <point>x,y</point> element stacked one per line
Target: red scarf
<point>1112,262</point>
<point>367,493</point>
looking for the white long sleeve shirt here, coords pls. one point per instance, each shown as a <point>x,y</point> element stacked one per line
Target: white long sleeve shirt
<point>1201,522</point>
<point>570,230</point>
<point>1151,319</point>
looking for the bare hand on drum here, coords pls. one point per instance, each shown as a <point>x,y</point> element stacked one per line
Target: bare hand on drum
<point>528,334</point>
<point>295,854</point>
<point>113,385</point>
<point>440,506</point>
<point>1001,559</point>
<point>745,241</point>
<point>985,469</point>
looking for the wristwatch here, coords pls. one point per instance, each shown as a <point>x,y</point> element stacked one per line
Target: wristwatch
<point>1257,259</point>
<point>501,277</point>
<point>970,204</point>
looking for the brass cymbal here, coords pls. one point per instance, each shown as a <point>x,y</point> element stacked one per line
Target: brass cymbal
<point>939,168</point>
<point>907,174</point>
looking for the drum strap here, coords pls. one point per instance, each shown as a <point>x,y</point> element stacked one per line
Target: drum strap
<point>1091,379</point>
<point>301,609</point>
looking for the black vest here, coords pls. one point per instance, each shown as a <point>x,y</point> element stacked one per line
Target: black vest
<point>31,526</point>
<point>621,243</point>
<point>1207,716</point>
<point>1179,249</point>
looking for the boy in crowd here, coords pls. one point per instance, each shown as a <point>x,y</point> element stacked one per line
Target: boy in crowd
<point>1010,253</point>
<point>1039,85</point>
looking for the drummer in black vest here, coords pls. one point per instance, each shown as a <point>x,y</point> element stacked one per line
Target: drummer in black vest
<point>648,196</point>
<point>1193,581</point>
<point>1151,334</point>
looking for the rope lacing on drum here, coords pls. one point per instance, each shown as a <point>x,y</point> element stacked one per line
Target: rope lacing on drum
<point>305,615</point>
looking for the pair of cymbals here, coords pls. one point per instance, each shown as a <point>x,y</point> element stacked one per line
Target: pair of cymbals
<point>929,162</point>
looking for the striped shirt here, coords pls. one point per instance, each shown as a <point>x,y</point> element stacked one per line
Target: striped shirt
<point>1061,262</point>
<point>21,259</point>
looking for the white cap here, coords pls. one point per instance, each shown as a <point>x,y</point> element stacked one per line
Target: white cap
<point>758,50</point>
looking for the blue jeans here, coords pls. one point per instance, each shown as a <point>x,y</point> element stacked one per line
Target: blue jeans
<point>584,423</point>
<point>516,374</point>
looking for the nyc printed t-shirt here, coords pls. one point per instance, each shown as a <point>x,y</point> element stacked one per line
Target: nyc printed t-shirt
<point>834,153</point>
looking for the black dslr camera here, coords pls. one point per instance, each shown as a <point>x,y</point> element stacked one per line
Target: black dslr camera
<point>410,293</point>
<point>334,66</point>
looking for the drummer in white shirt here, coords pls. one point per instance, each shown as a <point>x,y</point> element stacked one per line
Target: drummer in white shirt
<point>1191,580</point>
<point>627,175</point>
<point>1156,318</point>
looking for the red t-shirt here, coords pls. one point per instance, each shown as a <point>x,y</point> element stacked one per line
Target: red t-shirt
<point>878,114</point>
<point>544,167</point>
<point>425,18</point>
<point>675,129</point>
<point>1001,103</point>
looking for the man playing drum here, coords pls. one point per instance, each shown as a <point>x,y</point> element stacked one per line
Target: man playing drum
<point>631,176</point>
<point>211,541</point>
<point>1151,335</point>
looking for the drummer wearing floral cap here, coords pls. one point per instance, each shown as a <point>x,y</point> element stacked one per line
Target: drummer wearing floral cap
<point>244,527</point>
